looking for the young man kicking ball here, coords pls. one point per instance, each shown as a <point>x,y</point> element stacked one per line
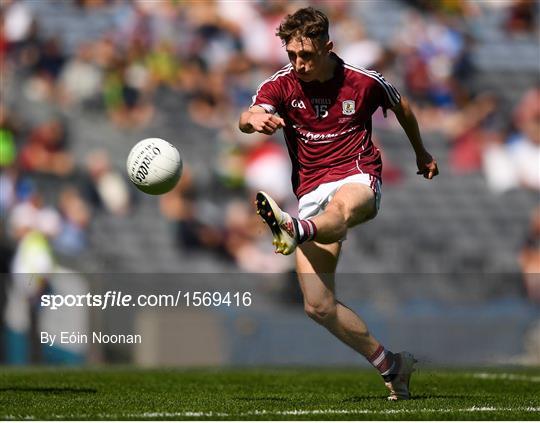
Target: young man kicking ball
<point>324,107</point>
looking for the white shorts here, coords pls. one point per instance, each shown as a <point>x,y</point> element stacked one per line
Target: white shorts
<point>314,202</point>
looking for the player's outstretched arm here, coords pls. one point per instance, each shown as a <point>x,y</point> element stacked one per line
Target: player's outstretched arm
<point>256,119</point>
<point>427,166</point>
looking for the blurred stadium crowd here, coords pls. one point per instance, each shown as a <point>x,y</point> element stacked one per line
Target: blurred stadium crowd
<point>83,80</point>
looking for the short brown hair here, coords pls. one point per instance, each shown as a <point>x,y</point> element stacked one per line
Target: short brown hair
<point>307,22</point>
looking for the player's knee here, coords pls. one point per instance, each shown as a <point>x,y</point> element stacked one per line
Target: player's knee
<point>339,208</point>
<point>358,211</point>
<point>321,312</point>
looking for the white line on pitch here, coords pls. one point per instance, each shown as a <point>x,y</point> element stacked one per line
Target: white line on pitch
<point>506,376</point>
<point>473,409</point>
<point>333,411</point>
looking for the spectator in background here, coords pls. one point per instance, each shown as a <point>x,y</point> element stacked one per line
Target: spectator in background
<point>239,75</point>
<point>215,40</point>
<point>527,113</point>
<point>530,258</point>
<point>80,79</point>
<point>513,164</point>
<point>392,173</point>
<point>8,179</point>
<point>46,149</point>
<point>470,131</point>
<point>31,225</point>
<point>257,39</point>
<point>252,164</point>
<point>162,65</point>
<point>356,48</point>
<point>208,105</point>
<point>72,238</point>
<point>127,105</point>
<point>9,129</point>
<point>430,48</point>
<point>133,23</point>
<point>231,159</point>
<point>268,168</point>
<point>4,44</point>
<point>90,4</point>
<point>240,236</point>
<point>17,22</point>
<point>32,214</point>
<point>449,7</point>
<point>524,151</point>
<point>522,17</point>
<point>104,52</point>
<point>246,242</point>
<point>179,206</point>
<point>6,255</point>
<point>515,161</point>
<point>106,188</point>
<point>51,59</point>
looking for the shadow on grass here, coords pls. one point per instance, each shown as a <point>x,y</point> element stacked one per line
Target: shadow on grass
<point>48,390</point>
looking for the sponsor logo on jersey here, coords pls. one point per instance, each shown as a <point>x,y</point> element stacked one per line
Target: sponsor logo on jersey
<point>349,107</point>
<point>319,138</point>
<point>298,104</point>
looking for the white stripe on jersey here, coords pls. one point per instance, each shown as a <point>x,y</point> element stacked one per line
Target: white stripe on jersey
<point>388,85</point>
<point>392,89</point>
<point>283,71</point>
<point>391,92</point>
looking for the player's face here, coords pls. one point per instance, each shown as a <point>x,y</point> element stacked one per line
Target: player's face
<point>308,57</point>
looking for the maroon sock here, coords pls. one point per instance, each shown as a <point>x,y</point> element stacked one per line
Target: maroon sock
<point>306,230</point>
<point>385,362</point>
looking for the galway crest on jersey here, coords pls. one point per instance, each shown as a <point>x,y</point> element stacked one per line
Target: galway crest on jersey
<point>348,107</point>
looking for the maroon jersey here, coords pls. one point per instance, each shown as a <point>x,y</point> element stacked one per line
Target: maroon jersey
<point>328,124</point>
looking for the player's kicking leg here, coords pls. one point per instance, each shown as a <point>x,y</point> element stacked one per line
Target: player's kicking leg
<point>352,204</point>
<point>316,264</point>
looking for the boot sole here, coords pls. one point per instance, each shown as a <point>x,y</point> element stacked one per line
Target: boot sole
<point>266,208</point>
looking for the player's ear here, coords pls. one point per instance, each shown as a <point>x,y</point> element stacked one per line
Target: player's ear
<point>329,47</point>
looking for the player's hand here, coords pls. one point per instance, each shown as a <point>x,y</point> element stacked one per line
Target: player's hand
<point>266,123</point>
<point>427,166</point>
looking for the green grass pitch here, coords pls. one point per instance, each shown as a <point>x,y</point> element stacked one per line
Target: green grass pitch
<point>264,394</point>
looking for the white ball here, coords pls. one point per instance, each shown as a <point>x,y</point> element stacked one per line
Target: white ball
<point>154,166</point>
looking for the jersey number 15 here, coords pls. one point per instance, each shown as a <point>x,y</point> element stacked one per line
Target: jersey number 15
<point>321,110</point>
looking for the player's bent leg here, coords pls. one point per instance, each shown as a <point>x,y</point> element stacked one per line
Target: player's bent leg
<point>352,204</point>
<point>316,264</point>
